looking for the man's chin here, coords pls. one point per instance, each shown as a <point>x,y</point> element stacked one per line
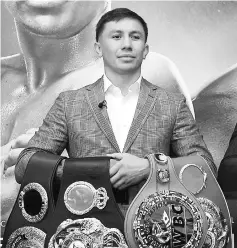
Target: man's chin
<point>127,71</point>
<point>128,68</point>
<point>49,30</point>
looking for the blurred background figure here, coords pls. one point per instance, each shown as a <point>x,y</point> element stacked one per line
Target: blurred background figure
<point>228,169</point>
<point>216,114</point>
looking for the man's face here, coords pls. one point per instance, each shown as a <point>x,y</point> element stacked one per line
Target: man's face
<point>122,45</point>
<point>55,18</point>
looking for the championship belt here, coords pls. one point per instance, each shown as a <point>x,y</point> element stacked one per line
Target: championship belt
<point>180,205</point>
<point>27,224</point>
<point>86,213</point>
<point>77,209</point>
<point>87,232</point>
<point>164,213</point>
<point>197,177</point>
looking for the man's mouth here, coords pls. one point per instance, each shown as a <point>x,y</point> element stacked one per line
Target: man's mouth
<point>127,56</point>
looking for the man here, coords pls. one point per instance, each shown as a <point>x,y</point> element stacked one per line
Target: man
<point>57,54</point>
<point>227,172</point>
<point>121,115</point>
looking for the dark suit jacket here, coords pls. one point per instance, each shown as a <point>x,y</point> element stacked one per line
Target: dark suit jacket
<point>162,122</point>
<point>227,173</point>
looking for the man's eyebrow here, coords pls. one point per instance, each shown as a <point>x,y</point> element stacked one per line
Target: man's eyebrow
<point>132,32</point>
<point>137,32</point>
<point>116,31</point>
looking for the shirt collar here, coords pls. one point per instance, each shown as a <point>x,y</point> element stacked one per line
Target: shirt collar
<point>135,87</point>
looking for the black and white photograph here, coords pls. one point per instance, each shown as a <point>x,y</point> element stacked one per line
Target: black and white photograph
<point>118,124</point>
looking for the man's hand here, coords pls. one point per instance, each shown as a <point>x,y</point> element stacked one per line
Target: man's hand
<point>11,151</point>
<point>128,170</point>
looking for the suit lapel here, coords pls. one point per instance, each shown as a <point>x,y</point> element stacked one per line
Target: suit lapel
<point>146,101</point>
<point>95,95</point>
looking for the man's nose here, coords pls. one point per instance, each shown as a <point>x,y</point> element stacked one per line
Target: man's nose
<point>127,43</point>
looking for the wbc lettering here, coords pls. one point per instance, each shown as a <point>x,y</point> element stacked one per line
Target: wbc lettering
<point>167,220</point>
<point>179,236</point>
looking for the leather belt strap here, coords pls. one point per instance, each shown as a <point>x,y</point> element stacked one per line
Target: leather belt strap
<point>93,171</point>
<point>40,169</point>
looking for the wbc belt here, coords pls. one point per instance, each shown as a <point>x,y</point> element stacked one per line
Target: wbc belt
<point>28,222</point>
<point>169,211</point>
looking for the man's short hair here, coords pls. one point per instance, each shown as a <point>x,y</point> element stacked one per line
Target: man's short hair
<point>117,15</point>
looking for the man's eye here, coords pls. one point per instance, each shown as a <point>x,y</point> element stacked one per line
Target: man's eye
<point>136,37</point>
<point>116,36</point>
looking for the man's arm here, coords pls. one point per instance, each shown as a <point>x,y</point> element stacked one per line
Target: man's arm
<point>186,139</point>
<point>52,137</point>
<point>227,173</point>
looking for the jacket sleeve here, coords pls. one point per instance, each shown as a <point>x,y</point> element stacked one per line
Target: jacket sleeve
<point>227,173</point>
<point>51,137</point>
<point>186,139</point>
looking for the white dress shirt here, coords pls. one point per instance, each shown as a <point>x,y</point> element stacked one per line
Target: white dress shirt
<point>121,108</point>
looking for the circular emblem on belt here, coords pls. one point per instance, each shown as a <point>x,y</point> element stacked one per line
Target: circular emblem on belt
<point>198,182</point>
<point>165,218</point>
<point>80,197</point>
<point>163,175</point>
<point>218,230</point>
<point>86,233</point>
<point>33,202</point>
<point>26,237</point>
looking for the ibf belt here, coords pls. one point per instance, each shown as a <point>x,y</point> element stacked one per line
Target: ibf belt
<point>164,213</point>
<point>85,203</point>
<point>88,232</point>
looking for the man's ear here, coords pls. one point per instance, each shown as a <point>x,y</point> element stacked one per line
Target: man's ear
<point>98,48</point>
<point>146,51</point>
